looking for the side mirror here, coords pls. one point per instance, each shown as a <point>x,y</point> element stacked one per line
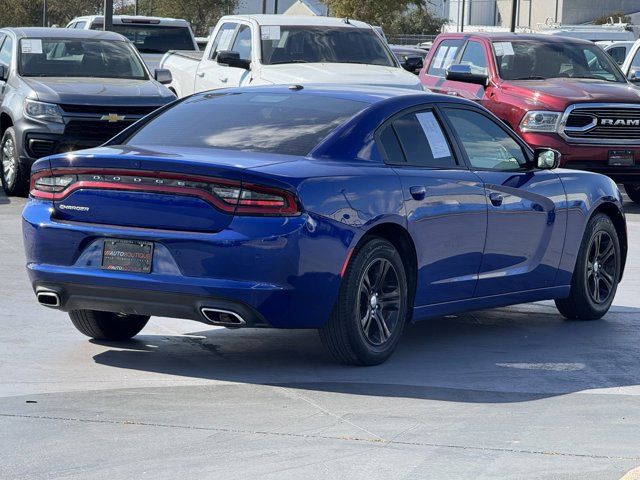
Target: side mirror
<point>232,59</point>
<point>163,76</point>
<point>634,76</point>
<point>546,158</point>
<point>464,73</point>
<point>4,72</point>
<point>411,64</point>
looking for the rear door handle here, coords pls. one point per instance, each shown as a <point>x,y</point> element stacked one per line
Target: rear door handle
<point>200,74</point>
<point>496,199</point>
<point>223,79</point>
<point>418,192</point>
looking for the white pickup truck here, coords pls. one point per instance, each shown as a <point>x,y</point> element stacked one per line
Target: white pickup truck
<point>631,65</point>
<point>283,49</point>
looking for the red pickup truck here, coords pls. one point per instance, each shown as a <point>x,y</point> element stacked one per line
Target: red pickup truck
<point>555,92</point>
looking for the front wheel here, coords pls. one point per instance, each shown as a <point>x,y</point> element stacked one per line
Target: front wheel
<point>107,325</point>
<point>371,310</point>
<point>15,176</point>
<point>596,274</point>
<point>633,191</point>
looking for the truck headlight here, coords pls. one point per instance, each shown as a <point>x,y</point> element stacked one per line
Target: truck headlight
<point>540,121</point>
<point>48,112</point>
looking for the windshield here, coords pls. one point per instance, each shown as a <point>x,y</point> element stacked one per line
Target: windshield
<point>291,123</point>
<point>63,57</point>
<point>153,38</point>
<point>539,60</point>
<point>308,44</point>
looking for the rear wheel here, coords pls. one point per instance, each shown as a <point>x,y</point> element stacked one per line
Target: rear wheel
<point>107,325</point>
<point>15,176</point>
<point>633,190</point>
<point>371,310</point>
<point>596,274</point>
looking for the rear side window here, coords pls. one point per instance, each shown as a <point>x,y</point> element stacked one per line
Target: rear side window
<point>419,141</point>
<point>281,123</point>
<point>618,54</point>
<point>444,56</point>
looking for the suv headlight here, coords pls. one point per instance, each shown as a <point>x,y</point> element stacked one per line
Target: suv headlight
<point>48,112</point>
<point>540,121</point>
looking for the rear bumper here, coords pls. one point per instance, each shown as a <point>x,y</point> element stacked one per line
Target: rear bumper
<point>77,296</point>
<point>280,272</point>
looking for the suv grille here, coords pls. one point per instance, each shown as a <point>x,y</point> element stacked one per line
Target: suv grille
<point>106,110</point>
<point>95,131</point>
<point>603,124</point>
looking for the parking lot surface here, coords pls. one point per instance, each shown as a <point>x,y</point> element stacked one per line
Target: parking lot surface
<point>508,393</point>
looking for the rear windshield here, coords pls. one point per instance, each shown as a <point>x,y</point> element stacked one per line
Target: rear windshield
<point>538,60</point>
<point>153,38</point>
<point>307,44</point>
<point>284,123</point>
<point>65,57</point>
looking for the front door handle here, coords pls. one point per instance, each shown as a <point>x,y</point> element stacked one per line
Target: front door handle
<point>496,199</point>
<point>418,192</point>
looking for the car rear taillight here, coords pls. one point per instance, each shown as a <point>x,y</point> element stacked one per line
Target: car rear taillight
<point>227,195</point>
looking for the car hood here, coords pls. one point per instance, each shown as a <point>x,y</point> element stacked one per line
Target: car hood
<point>558,93</point>
<point>98,91</point>
<point>346,73</point>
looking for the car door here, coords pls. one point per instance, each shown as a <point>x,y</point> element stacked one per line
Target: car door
<point>445,205</point>
<point>212,75</point>
<point>526,208</point>
<point>472,53</point>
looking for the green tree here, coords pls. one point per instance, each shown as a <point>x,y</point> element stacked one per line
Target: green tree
<point>375,12</point>
<point>416,21</point>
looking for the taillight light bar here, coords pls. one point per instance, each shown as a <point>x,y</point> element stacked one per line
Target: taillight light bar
<point>230,196</point>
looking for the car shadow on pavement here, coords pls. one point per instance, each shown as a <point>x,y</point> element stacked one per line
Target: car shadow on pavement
<point>504,355</point>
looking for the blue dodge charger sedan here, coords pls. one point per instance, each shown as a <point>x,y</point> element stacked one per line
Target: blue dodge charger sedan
<point>352,210</point>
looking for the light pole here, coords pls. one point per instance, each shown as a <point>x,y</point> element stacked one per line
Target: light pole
<point>514,15</point>
<point>108,15</point>
<point>44,13</point>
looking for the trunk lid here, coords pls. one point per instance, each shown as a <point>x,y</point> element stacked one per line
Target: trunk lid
<point>135,187</point>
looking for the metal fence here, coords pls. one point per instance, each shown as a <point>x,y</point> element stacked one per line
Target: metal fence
<point>402,39</point>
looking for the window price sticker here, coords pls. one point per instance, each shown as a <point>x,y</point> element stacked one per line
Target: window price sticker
<point>271,32</point>
<point>503,48</point>
<point>31,45</point>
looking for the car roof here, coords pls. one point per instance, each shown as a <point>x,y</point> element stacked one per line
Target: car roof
<point>42,32</point>
<point>299,20</point>
<point>370,94</point>
<point>509,36</point>
<point>137,19</point>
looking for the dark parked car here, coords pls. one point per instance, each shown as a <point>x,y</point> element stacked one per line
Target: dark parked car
<point>411,58</point>
<point>63,89</point>
<point>348,209</point>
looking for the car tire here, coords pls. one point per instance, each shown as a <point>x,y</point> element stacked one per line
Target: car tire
<point>633,191</point>
<point>107,325</point>
<point>371,309</point>
<point>15,176</point>
<point>596,274</point>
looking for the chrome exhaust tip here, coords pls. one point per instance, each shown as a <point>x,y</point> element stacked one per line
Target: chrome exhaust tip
<point>223,318</point>
<point>48,298</point>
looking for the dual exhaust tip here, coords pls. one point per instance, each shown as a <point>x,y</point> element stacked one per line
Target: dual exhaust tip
<point>223,318</point>
<point>48,298</point>
<point>215,316</point>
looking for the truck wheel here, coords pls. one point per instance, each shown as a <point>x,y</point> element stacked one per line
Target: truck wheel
<point>15,176</point>
<point>107,325</point>
<point>371,310</point>
<point>596,274</point>
<point>633,190</point>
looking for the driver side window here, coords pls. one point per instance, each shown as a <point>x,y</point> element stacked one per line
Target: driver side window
<point>223,39</point>
<point>487,144</point>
